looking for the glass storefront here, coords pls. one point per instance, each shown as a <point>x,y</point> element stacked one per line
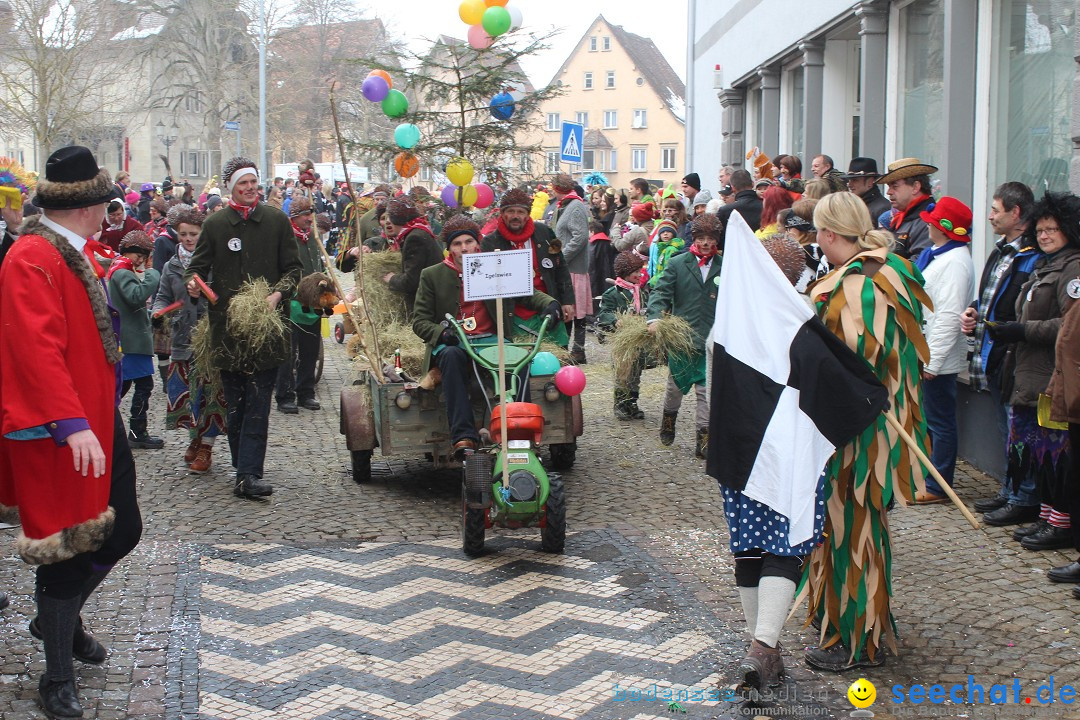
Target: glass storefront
<point>922,86</point>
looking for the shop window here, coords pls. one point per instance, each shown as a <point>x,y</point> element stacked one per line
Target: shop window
<point>922,80</point>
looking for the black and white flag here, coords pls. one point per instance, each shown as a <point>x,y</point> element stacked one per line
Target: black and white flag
<point>785,392</point>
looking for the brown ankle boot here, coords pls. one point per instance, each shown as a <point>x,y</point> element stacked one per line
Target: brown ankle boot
<point>202,460</point>
<point>189,454</point>
<point>761,668</point>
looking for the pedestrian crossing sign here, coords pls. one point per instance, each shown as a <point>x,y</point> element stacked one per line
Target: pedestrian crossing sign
<point>572,138</point>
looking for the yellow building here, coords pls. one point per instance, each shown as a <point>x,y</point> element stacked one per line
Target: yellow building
<point>631,102</point>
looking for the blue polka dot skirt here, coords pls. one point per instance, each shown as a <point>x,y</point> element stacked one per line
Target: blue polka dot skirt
<point>755,526</point>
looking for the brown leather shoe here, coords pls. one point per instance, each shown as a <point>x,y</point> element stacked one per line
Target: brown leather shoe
<point>928,498</point>
<point>202,460</point>
<point>189,454</point>
<point>761,668</point>
<point>461,447</point>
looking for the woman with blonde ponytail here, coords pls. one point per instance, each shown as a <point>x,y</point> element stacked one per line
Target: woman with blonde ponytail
<point>873,301</point>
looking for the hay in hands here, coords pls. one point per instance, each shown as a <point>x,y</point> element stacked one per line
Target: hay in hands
<point>202,351</point>
<point>384,306</point>
<point>674,336</point>
<point>258,327</point>
<point>632,340</point>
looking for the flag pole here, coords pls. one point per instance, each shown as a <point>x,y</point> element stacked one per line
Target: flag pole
<point>910,442</point>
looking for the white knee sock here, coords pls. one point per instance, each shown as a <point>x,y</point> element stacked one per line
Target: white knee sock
<point>775,595</point>
<point>749,598</point>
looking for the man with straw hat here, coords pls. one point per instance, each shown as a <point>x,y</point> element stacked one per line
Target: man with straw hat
<point>65,464</point>
<point>246,241</point>
<point>908,183</point>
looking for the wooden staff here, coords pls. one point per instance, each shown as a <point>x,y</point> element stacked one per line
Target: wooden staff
<point>376,364</point>
<point>910,442</point>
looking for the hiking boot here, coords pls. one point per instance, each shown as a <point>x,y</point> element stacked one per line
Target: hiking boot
<point>761,668</point>
<point>622,405</point>
<point>667,428</point>
<point>144,441</point>
<point>635,412</point>
<point>189,454</point>
<point>701,442</point>
<point>577,355</point>
<point>202,459</point>
<point>837,658</point>
<point>249,486</point>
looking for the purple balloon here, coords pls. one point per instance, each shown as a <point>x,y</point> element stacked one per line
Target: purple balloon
<point>375,88</point>
<point>449,196</point>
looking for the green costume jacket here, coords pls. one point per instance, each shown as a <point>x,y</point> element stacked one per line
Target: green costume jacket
<point>554,273</point>
<point>267,249</point>
<point>129,296</point>
<point>439,293</point>
<point>617,300</point>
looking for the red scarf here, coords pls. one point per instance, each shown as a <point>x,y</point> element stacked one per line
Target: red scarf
<point>417,222</point>
<point>898,219</point>
<point>633,288</point>
<point>120,263</point>
<point>448,261</point>
<point>599,236</point>
<point>244,211</point>
<point>703,259</point>
<point>568,197</point>
<point>518,240</point>
<point>92,247</point>
<point>299,233</point>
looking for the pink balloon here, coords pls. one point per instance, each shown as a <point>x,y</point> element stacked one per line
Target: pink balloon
<point>484,195</point>
<point>448,196</point>
<point>570,380</point>
<point>478,37</point>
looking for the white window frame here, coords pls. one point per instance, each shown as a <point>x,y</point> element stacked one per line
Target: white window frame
<point>613,157</point>
<point>554,122</point>
<point>589,164</point>
<point>583,118</point>
<point>525,164</point>
<point>607,43</point>
<point>641,119</point>
<point>613,116</point>
<point>641,151</point>
<point>609,80</point>
<point>551,161</point>
<point>588,82</point>
<point>592,44</point>
<point>665,151</point>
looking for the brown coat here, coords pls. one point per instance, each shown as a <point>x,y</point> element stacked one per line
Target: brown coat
<point>1043,301</point>
<point>1064,390</point>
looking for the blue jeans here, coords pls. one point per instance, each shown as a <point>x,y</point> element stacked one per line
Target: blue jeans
<point>939,404</point>
<point>247,399</point>
<point>1026,494</point>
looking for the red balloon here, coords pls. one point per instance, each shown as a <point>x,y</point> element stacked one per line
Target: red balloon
<point>484,195</point>
<point>570,380</point>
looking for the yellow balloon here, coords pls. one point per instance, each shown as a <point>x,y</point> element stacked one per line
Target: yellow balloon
<point>459,170</point>
<point>467,196</point>
<point>472,11</point>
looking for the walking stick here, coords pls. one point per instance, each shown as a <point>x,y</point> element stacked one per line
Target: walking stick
<point>910,442</point>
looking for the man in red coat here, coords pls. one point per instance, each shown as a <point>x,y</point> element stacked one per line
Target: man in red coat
<point>64,461</point>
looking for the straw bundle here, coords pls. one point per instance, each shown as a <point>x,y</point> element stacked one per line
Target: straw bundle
<point>383,304</point>
<point>202,352</point>
<point>632,340</point>
<point>249,319</point>
<point>397,336</point>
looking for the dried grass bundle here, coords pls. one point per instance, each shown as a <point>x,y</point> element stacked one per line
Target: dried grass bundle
<point>674,336</point>
<point>202,352</point>
<point>398,336</point>
<point>632,340</point>
<point>260,328</point>
<point>383,304</point>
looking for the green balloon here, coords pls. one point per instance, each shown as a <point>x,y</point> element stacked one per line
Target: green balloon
<point>496,20</point>
<point>395,104</point>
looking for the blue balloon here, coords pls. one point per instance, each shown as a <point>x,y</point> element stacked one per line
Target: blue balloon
<point>406,135</point>
<point>544,363</point>
<point>502,106</point>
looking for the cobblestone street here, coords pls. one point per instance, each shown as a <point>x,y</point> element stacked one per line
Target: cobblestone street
<point>339,601</point>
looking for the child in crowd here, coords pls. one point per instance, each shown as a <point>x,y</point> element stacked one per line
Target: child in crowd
<point>627,296</point>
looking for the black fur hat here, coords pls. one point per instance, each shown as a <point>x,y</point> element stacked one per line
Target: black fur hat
<point>73,180</point>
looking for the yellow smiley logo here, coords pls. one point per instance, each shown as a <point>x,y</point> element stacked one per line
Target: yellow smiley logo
<point>862,693</point>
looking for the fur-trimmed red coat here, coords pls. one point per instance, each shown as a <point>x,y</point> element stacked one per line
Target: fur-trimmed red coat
<point>57,361</point>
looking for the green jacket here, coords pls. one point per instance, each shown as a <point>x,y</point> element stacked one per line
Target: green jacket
<point>617,300</point>
<point>440,293</point>
<point>268,251</point>
<point>129,296</point>
<point>681,291</point>
<point>554,272</point>
<point>310,257</point>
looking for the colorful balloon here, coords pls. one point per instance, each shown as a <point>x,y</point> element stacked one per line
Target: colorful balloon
<point>447,196</point>
<point>484,195</point>
<point>384,75</point>
<point>544,363</point>
<point>479,39</point>
<point>459,171</point>
<point>471,12</point>
<point>570,380</point>
<point>374,88</point>
<point>406,135</point>
<point>493,3</point>
<point>496,21</point>
<point>406,164</point>
<point>502,106</point>
<point>466,196</point>
<point>395,104</point>
<point>515,17</point>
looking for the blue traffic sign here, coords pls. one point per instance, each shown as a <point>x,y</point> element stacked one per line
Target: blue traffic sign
<point>573,136</point>
<point>232,125</point>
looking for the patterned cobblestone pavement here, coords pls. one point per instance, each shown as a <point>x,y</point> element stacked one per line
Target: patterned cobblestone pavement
<point>339,601</point>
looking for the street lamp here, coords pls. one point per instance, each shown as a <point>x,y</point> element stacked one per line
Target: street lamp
<point>167,136</point>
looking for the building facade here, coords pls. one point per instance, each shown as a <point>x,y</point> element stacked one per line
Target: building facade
<point>983,89</point>
<point>631,102</point>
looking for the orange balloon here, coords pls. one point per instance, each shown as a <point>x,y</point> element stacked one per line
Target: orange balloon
<point>384,75</point>
<point>496,3</point>
<point>406,164</point>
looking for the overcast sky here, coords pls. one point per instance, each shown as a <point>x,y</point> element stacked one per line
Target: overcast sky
<point>418,19</point>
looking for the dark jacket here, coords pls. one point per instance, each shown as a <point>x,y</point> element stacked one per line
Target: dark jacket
<point>112,238</point>
<point>1064,388</point>
<point>128,294</point>
<point>142,214</point>
<point>912,235</point>
<point>749,206</point>
<point>681,291</point>
<point>419,250</point>
<point>182,321</point>
<point>310,257</point>
<point>164,248</point>
<point>8,241</point>
<point>1043,301</point>
<point>602,254</point>
<point>1003,304</point>
<point>439,293</point>
<point>267,251</point>
<point>876,203</point>
<point>617,300</point>
<point>554,273</point>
